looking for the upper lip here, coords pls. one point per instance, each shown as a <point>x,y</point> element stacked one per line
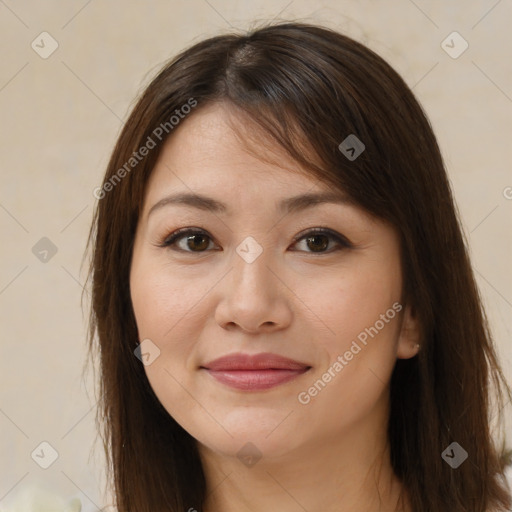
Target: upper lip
<point>263,361</point>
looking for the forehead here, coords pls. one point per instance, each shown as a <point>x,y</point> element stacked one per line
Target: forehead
<point>215,148</point>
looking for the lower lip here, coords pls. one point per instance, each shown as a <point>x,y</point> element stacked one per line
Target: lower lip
<point>255,380</point>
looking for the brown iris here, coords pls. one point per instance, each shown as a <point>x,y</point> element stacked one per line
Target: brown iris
<point>317,243</point>
<point>198,242</point>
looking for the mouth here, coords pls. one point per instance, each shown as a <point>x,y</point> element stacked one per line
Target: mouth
<point>254,372</point>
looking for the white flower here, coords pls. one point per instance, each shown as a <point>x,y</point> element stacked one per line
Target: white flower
<point>35,499</point>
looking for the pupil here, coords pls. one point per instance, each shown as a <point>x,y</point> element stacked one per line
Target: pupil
<point>317,242</point>
<point>192,239</point>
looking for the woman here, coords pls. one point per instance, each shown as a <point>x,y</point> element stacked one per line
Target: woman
<point>285,313</point>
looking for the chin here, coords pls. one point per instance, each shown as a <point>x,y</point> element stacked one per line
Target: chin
<point>252,435</point>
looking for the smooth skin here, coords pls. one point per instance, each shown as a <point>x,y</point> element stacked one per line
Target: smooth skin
<point>305,299</point>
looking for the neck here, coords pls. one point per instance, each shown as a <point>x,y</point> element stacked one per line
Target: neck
<point>347,471</point>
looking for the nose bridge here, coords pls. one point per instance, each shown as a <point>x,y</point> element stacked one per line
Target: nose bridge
<point>250,267</point>
<point>253,297</point>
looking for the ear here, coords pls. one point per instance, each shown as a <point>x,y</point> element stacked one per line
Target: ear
<point>409,336</point>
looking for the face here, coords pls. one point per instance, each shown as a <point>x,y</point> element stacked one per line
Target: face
<point>311,288</point>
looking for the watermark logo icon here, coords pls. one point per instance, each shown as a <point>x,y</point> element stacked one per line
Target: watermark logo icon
<point>249,249</point>
<point>454,455</point>
<point>249,455</point>
<point>351,147</point>
<point>44,455</point>
<point>454,45</point>
<point>44,250</point>
<point>147,352</point>
<point>44,45</point>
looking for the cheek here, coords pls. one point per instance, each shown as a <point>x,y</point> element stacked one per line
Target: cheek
<point>352,302</point>
<point>164,311</point>
<point>163,303</point>
<point>361,312</point>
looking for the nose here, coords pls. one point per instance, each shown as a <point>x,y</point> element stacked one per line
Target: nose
<point>253,298</point>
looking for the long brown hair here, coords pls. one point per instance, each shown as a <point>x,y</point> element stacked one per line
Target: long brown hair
<point>308,88</point>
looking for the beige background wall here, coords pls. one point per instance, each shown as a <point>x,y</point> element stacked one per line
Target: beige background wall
<point>60,117</point>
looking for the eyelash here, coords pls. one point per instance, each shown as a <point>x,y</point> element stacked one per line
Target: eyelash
<point>171,240</point>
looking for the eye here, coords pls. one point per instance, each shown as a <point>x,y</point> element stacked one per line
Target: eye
<point>318,240</point>
<point>188,240</point>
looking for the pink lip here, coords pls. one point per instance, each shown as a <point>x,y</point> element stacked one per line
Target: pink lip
<point>254,372</point>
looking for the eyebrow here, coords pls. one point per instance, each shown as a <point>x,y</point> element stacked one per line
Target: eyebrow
<point>288,205</point>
